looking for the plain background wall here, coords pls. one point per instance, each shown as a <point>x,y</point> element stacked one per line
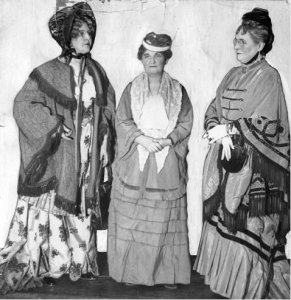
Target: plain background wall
<point>202,33</point>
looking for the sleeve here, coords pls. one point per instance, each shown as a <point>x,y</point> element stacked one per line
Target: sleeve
<point>33,117</point>
<point>40,128</point>
<point>181,133</point>
<point>211,118</point>
<point>126,129</point>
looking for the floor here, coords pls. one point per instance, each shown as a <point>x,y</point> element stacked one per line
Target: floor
<point>106,288</point>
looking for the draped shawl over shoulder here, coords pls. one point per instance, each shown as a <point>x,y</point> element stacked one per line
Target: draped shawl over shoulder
<point>43,105</point>
<point>252,99</point>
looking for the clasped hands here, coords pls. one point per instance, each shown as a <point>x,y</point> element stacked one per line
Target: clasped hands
<point>153,145</point>
<point>221,134</point>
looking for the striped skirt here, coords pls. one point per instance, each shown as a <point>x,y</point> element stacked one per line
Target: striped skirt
<point>248,264</point>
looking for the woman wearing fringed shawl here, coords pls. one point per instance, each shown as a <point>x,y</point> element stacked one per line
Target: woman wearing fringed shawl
<point>65,114</point>
<point>246,174</point>
<point>147,231</point>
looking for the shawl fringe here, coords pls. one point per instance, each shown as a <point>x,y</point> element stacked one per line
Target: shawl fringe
<point>235,222</point>
<point>274,203</point>
<point>36,191</point>
<point>50,91</point>
<point>257,205</point>
<point>65,204</point>
<point>37,167</point>
<point>271,171</point>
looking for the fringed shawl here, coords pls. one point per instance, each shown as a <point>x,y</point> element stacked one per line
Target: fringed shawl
<point>43,105</point>
<point>253,100</point>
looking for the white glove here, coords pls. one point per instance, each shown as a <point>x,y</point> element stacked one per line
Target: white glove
<point>227,146</point>
<point>215,133</point>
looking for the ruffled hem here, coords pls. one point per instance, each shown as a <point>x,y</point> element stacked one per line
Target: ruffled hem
<point>148,241</point>
<point>237,266</point>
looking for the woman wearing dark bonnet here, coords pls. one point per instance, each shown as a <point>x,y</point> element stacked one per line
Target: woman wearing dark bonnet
<point>65,113</point>
<point>147,231</point>
<point>246,189</point>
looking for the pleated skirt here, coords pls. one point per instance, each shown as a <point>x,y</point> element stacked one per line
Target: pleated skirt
<point>239,266</point>
<point>148,241</point>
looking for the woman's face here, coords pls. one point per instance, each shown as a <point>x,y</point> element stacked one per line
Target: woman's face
<point>245,47</point>
<point>153,62</point>
<point>82,43</point>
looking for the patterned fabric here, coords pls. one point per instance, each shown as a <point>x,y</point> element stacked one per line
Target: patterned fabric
<point>42,243</point>
<point>45,240</point>
<point>86,136</point>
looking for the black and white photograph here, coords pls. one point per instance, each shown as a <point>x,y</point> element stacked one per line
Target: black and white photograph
<point>145,149</point>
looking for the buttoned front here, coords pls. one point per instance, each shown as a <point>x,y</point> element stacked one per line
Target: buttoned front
<point>245,92</point>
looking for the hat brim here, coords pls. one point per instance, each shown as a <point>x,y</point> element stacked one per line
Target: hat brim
<point>155,48</point>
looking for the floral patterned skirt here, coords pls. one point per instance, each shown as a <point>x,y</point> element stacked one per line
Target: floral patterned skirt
<point>44,241</point>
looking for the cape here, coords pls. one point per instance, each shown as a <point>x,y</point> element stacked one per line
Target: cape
<point>46,103</point>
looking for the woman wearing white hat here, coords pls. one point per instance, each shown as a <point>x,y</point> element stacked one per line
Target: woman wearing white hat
<point>148,237</point>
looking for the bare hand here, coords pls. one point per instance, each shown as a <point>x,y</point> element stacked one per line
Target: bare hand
<point>149,143</point>
<point>66,133</point>
<point>163,142</point>
<point>152,146</point>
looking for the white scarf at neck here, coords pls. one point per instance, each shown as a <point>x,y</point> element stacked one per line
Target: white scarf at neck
<point>171,93</point>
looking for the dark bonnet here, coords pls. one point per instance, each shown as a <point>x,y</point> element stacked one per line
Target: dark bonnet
<point>60,24</point>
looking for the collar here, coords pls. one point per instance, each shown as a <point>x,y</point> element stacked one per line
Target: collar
<point>253,62</point>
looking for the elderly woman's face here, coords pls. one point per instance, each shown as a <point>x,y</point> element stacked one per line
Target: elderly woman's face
<point>245,47</point>
<point>153,62</point>
<point>82,43</point>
